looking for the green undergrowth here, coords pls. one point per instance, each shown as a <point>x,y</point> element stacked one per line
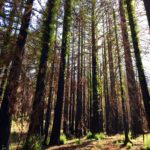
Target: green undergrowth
<point>129,145</point>
<point>118,143</point>
<point>78,141</point>
<point>62,139</point>
<point>97,136</point>
<point>147,142</point>
<point>34,143</point>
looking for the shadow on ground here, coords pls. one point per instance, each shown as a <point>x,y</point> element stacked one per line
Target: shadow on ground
<point>72,146</point>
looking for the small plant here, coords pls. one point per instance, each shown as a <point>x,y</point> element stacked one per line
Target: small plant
<point>101,136</point>
<point>98,136</point>
<point>62,139</point>
<point>90,135</point>
<point>147,142</point>
<point>129,145</point>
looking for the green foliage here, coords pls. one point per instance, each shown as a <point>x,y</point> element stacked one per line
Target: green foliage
<point>34,143</point>
<point>90,135</point>
<point>118,142</point>
<point>147,142</point>
<point>62,139</point>
<point>78,141</point>
<point>98,136</point>
<point>129,145</point>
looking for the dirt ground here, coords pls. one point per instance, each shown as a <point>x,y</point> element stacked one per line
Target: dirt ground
<point>109,143</point>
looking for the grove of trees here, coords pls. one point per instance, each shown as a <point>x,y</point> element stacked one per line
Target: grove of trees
<point>73,67</point>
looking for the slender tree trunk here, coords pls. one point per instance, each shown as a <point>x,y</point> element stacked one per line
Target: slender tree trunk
<point>54,140</point>
<point>8,103</point>
<point>147,8</point>
<point>96,124</point>
<point>73,102</point>
<point>113,117</point>
<point>105,84</point>
<point>50,96</point>
<point>90,92</point>
<point>122,88</point>
<point>66,102</point>
<point>101,100</point>
<point>106,90</point>
<point>50,100</point>
<point>72,89</point>
<point>137,52</point>
<point>79,103</point>
<point>135,104</point>
<point>85,106</point>
<point>117,67</point>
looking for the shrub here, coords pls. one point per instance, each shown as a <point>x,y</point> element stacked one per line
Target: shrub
<point>90,135</point>
<point>62,139</point>
<point>98,136</point>
<point>101,136</point>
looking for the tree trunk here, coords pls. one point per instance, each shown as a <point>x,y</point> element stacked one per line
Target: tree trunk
<point>72,89</point>
<point>50,101</point>
<point>96,124</point>
<point>135,104</point>
<point>122,88</point>
<point>73,103</point>
<point>137,52</point>
<point>106,90</point>
<point>90,91</point>
<point>66,102</point>
<point>8,103</point>
<point>79,104</point>
<point>105,82</point>
<point>54,140</point>
<point>36,120</point>
<point>113,117</point>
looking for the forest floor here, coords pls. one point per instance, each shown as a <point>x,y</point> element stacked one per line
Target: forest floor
<point>108,143</point>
